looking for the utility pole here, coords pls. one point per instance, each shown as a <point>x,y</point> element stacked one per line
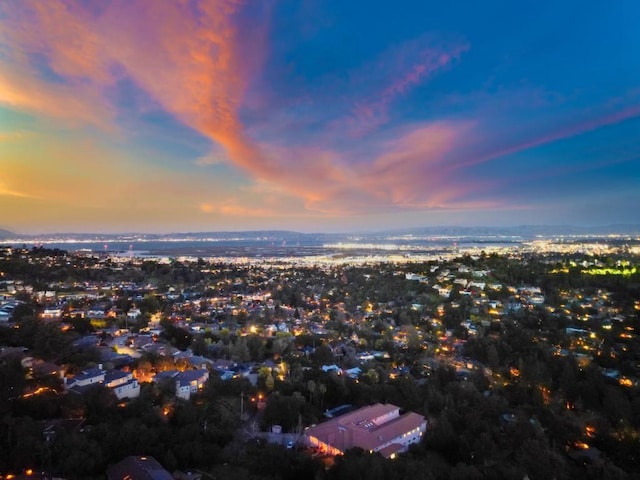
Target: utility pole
<point>241,406</point>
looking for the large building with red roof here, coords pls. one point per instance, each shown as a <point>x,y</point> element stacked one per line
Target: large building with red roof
<point>376,428</point>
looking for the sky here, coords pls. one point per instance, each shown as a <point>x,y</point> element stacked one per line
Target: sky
<point>318,115</point>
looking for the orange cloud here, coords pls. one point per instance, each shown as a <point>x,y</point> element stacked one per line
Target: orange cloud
<point>78,107</point>
<point>192,59</point>
<point>9,192</point>
<point>73,51</point>
<point>236,210</point>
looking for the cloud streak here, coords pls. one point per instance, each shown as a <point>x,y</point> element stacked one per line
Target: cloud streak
<point>6,191</point>
<point>564,133</point>
<point>405,67</point>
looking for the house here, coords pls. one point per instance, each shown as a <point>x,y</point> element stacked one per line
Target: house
<point>140,341</point>
<point>536,299</point>
<point>353,372</point>
<point>37,368</point>
<point>138,468</point>
<point>222,364</point>
<point>227,374</point>
<point>88,378</point>
<point>86,342</point>
<point>331,369</point>
<point>51,314</point>
<point>444,292</point>
<point>197,361</point>
<point>365,356</point>
<point>190,381</point>
<point>376,428</point>
<point>165,375</point>
<point>225,368</point>
<point>415,277</point>
<point>480,273</point>
<point>122,383</point>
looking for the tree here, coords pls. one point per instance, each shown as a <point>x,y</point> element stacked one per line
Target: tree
<point>269,382</point>
<point>540,462</point>
<point>256,345</point>
<point>144,368</point>
<point>372,376</point>
<point>81,325</point>
<point>149,305</point>
<point>413,339</point>
<point>12,381</point>
<point>240,351</point>
<point>281,344</point>
<point>199,345</point>
<point>311,386</point>
<point>100,403</point>
<point>283,410</point>
<point>50,342</point>
<point>323,355</point>
<point>322,389</point>
<point>178,337</point>
<point>493,359</point>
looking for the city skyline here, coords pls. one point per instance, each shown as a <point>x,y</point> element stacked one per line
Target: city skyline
<point>316,116</point>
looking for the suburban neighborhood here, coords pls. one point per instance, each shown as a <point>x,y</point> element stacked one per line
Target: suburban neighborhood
<point>323,358</point>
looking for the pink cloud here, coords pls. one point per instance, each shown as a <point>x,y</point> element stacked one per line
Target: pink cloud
<point>235,210</point>
<point>403,67</point>
<point>572,131</point>
<point>410,173</point>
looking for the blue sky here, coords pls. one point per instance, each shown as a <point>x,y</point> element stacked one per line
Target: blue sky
<point>317,115</point>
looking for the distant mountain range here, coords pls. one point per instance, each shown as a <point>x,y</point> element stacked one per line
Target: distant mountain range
<point>523,231</point>
<point>7,234</point>
<point>273,235</point>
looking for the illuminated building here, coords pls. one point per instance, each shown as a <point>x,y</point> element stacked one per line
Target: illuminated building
<point>376,428</point>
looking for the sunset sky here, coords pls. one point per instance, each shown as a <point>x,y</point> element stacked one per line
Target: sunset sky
<point>175,116</point>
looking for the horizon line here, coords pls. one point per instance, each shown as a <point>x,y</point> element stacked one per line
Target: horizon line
<point>635,226</point>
